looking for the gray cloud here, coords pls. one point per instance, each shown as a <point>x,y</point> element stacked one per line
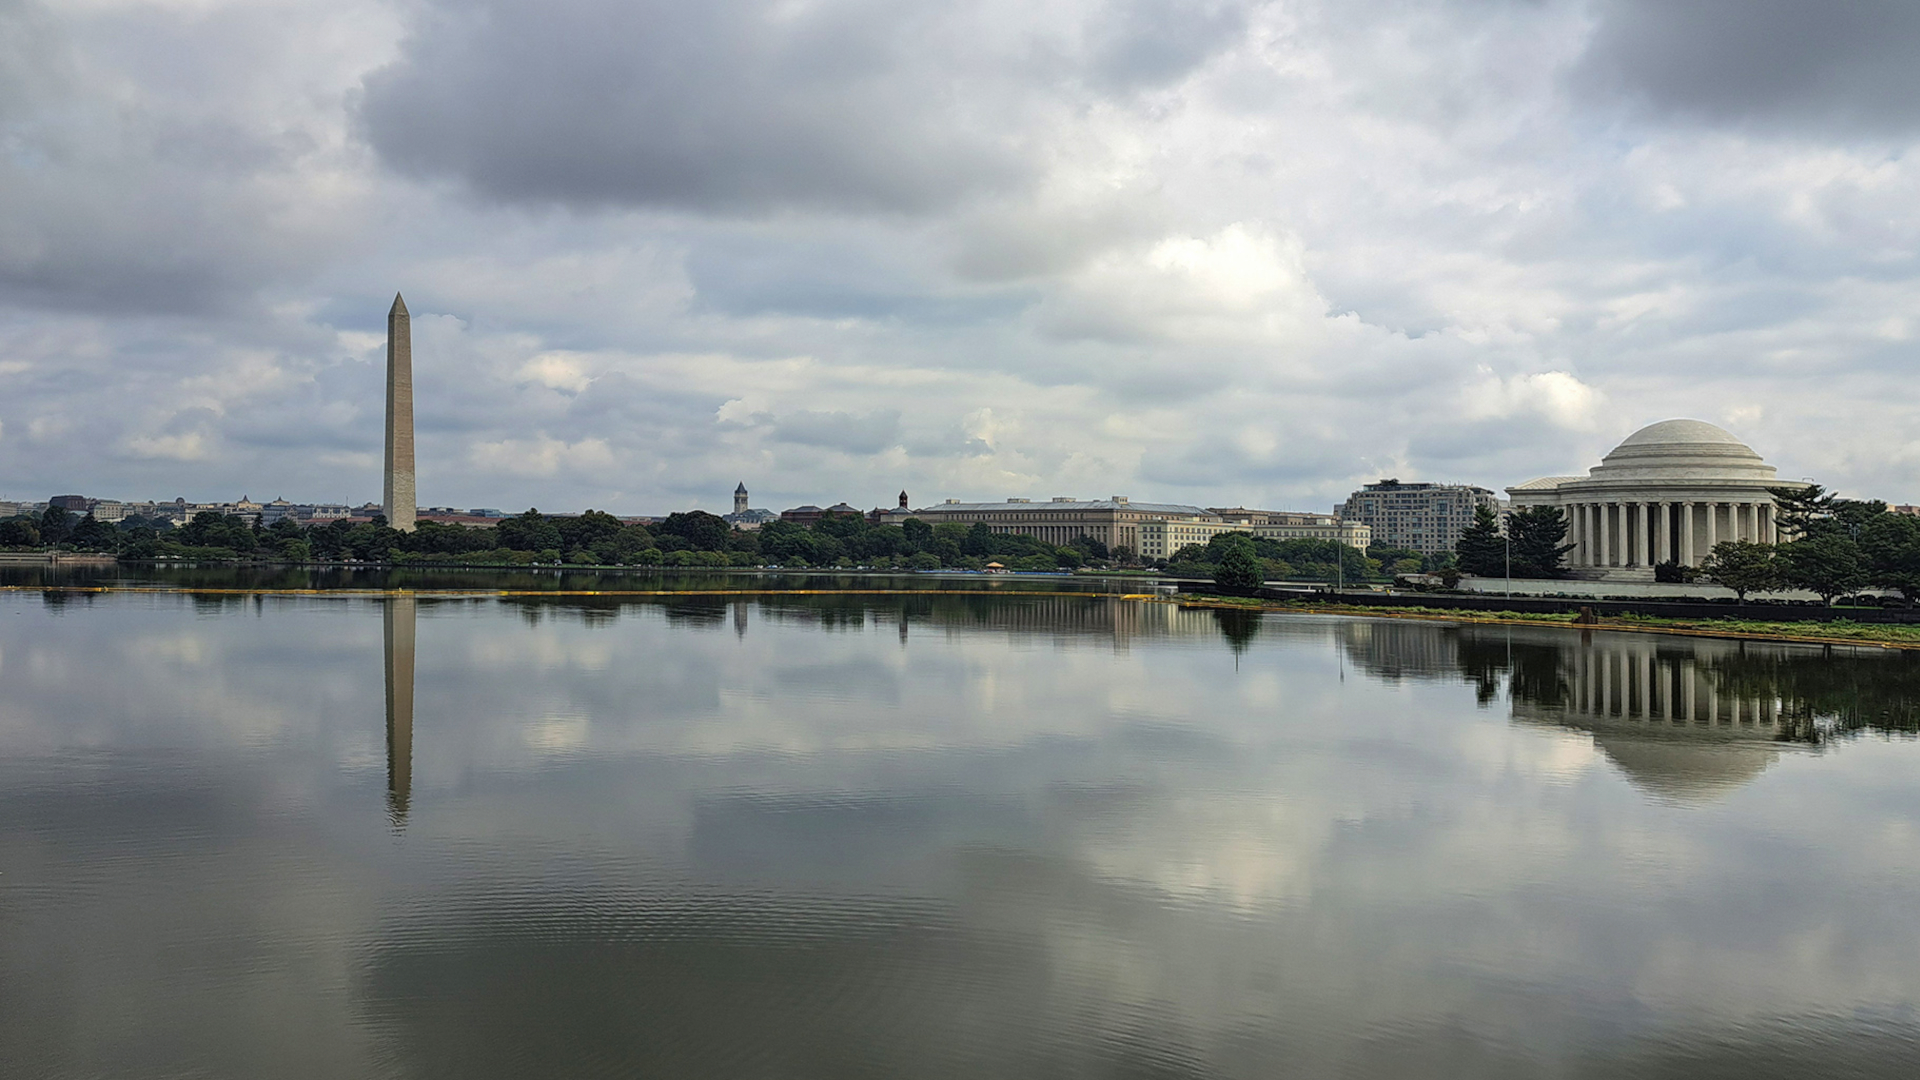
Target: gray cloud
<point>863,434</point>
<point>740,104</point>
<point>1144,43</point>
<point>139,174</point>
<point>1204,252</point>
<point>753,105</point>
<point>1812,64</point>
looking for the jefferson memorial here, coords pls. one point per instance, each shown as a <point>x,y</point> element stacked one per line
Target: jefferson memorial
<point>1670,492</point>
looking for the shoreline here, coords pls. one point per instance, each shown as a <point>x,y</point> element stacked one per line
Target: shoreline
<point>1904,637</point>
<point>1879,636</point>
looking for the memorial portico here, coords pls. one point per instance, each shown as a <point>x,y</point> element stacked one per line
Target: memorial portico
<point>1669,493</point>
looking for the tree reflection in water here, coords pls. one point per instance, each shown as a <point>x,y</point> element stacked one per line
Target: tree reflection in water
<point>1683,717</point>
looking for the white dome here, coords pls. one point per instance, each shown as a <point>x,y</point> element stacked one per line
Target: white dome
<point>1682,433</point>
<point>1690,449</point>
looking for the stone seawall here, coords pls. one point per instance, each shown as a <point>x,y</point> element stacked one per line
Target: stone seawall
<point>1540,605</point>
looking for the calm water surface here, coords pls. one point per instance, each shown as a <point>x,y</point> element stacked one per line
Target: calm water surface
<point>940,836</point>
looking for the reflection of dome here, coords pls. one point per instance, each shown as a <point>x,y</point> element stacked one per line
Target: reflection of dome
<point>1686,769</point>
<point>1689,449</point>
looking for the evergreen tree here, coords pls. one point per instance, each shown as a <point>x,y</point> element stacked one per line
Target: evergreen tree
<point>1798,510</point>
<point>1537,549</point>
<point>91,534</point>
<point>55,524</point>
<point>1482,551</point>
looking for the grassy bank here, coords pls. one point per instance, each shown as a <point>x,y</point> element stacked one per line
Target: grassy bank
<point>1839,632</point>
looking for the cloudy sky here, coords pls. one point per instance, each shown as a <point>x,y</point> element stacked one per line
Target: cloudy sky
<point>1208,251</point>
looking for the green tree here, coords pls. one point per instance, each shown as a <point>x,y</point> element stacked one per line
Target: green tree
<point>19,532</point>
<point>1090,546</point>
<point>1193,553</point>
<point>1481,550</point>
<point>1797,510</point>
<point>701,530</point>
<point>979,541</point>
<point>917,533</point>
<point>531,531</point>
<point>1826,563</point>
<point>91,534</point>
<point>139,542</point>
<point>1389,555</point>
<point>1238,568</point>
<point>55,523</point>
<point>1537,533</point>
<point>589,528</point>
<point>1891,544</point>
<point>1744,567</point>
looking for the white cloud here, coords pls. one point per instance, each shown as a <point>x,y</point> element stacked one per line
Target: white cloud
<point>1555,396</point>
<point>557,371</point>
<point>191,446</point>
<point>543,457</point>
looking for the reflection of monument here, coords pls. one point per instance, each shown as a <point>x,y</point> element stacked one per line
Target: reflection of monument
<point>1668,717</point>
<point>398,618</point>
<point>397,498</point>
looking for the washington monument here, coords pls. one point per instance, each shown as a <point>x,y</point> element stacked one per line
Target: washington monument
<point>397,496</point>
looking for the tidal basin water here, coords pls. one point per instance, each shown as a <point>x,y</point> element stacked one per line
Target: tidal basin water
<point>997,835</point>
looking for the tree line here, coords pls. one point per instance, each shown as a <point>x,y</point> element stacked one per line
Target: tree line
<point>693,539</point>
<point>1241,560</point>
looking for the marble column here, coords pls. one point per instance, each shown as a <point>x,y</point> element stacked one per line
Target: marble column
<point>1586,681</point>
<point>1713,526</point>
<point>1606,684</point>
<point>1646,684</point>
<point>1686,534</point>
<point>1606,528</point>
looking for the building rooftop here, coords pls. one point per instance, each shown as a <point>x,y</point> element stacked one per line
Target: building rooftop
<point>1061,506</point>
<point>1545,483</point>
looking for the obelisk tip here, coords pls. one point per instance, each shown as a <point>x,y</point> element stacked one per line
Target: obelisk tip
<point>399,306</point>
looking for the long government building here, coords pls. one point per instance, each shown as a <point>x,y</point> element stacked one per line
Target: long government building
<point>1151,530</point>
